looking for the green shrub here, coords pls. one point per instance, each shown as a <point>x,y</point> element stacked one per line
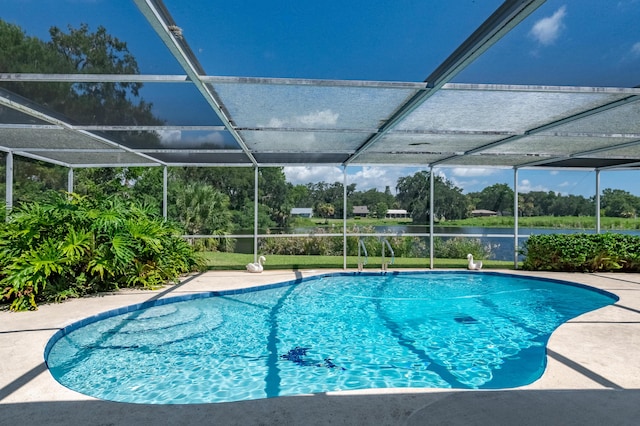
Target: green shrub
<point>460,247</point>
<point>333,246</point>
<point>317,246</point>
<point>72,245</point>
<point>582,252</point>
<point>416,247</point>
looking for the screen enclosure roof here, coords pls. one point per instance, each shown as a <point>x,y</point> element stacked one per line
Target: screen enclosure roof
<point>208,120</point>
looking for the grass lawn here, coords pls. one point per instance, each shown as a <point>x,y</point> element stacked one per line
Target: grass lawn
<point>226,261</point>
<point>554,222</point>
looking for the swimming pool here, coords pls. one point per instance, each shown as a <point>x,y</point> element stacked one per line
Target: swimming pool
<point>327,333</point>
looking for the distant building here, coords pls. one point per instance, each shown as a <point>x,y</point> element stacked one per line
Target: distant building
<point>302,212</point>
<point>360,211</point>
<point>396,213</point>
<point>482,213</point>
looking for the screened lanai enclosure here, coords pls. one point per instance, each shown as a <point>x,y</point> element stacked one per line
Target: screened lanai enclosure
<point>203,110</point>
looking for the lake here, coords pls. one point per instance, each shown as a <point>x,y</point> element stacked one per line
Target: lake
<point>502,248</point>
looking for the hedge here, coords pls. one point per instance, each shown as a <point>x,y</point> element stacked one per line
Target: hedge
<point>582,253</point>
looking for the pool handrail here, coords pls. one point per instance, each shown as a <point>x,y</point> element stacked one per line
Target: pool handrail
<point>393,255</point>
<point>361,265</point>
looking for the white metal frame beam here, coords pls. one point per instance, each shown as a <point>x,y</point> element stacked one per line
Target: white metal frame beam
<point>546,127</point>
<point>9,182</point>
<point>161,21</point>
<point>65,126</point>
<point>503,20</point>
<point>515,217</point>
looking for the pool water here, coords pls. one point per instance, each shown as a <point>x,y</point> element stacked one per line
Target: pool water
<point>329,333</point>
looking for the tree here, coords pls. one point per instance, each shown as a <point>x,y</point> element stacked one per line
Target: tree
<point>202,209</point>
<point>498,198</point>
<point>541,202</point>
<point>298,195</point>
<point>237,183</point>
<point>619,203</point>
<point>325,210</point>
<point>324,193</point>
<point>526,205</point>
<point>81,51</point>
<point>413,195</point>
<point>102,102</point>
<point>572,205</point>
<point>272,187</point>
<point>380,210</point>
<point>373,198</point>
<point>34,179</point>
<point>145,186</point>
<point>23,54</point>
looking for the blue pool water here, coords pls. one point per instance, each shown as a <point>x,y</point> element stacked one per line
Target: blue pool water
<point>335,332</point>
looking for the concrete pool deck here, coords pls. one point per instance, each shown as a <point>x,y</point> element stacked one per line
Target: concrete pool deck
<point>592,376</point>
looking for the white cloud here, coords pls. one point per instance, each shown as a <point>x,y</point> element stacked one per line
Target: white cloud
<point>317,119</point>
<point>467,183</point>
<point>169,137</point>
<point>525,186</point>
<point>365,178</point>
<point>304,175</point>
<point>216,138</point>
<point>463,184</point>
<point>377,177</point>
<point>635,49</point>
<point>441,173</point>
<point>473,171</point>
<point>174,139</point>
<point>276,122</point>
<point>546,30</point>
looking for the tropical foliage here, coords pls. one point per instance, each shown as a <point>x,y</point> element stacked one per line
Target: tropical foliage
<point>72,245</point>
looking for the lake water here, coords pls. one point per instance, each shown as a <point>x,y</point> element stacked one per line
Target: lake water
<point>502,248</point>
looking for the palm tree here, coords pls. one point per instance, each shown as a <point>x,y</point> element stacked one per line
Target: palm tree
<point>203,209</point>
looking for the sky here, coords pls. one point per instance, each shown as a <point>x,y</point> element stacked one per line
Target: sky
<point>564,42</point>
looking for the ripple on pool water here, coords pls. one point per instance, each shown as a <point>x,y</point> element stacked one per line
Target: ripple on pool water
<point>358,331</point>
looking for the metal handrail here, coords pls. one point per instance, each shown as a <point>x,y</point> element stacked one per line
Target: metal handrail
<point>366,256</point>
<point>393,255</point>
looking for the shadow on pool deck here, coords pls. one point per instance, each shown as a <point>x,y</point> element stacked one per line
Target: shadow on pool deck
<point>516,407</point>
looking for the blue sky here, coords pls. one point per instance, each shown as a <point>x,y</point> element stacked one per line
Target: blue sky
<point>564,42</point>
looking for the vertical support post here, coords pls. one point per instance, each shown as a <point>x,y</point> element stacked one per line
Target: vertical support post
<point>515,218</point>
<point>431,197</point>
<point>255,214</point>
<point>597,201</point>
<point>344,218</point>
<point>9,183</point>
<point>165,179</point>
<point>70,180</point>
